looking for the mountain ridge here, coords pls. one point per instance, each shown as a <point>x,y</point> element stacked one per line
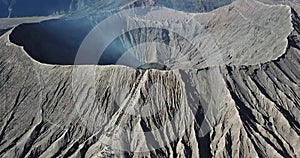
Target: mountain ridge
<point>222,111</point>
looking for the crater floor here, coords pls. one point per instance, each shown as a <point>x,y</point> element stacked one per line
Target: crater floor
<point>232,89</point>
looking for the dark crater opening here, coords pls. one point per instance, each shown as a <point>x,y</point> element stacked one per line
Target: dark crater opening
<point>53,41</point>
<point>153,65</point>
<point>57,42</point>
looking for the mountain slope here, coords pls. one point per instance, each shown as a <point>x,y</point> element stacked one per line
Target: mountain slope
<point>244,104</point>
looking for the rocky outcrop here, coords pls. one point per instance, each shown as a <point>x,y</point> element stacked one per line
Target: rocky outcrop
<point>237,95</point>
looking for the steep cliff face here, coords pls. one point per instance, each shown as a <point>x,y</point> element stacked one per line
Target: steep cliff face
<point>236,95</point>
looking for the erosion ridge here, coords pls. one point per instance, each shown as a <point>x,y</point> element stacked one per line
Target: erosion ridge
<point>226,110</point>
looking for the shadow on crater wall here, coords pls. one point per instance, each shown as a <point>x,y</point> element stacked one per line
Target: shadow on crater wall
<point>57,41</point>
<point>53,41</point>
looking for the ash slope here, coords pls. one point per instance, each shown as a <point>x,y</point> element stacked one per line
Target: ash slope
<point>258,115</point>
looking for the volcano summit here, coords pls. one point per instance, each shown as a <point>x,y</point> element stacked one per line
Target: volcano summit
<point>151,81</point>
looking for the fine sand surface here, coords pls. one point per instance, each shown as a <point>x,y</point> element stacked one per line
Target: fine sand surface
<point>234,94</point>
